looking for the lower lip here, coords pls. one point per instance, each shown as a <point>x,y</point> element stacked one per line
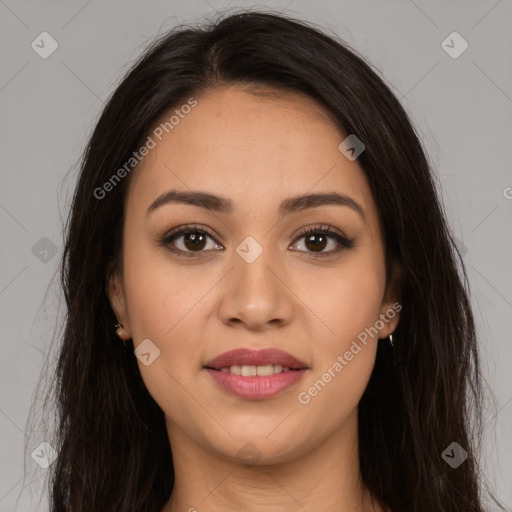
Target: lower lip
<point>256,388</point>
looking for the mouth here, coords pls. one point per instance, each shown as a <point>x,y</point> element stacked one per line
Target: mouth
<point>255,374</point>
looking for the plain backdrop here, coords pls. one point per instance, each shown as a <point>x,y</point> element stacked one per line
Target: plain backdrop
<point>460,103</point>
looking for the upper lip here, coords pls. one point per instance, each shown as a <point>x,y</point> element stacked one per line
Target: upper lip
<point>245,356</point>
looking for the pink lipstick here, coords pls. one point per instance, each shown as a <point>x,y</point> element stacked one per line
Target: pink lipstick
<point>255,374</point>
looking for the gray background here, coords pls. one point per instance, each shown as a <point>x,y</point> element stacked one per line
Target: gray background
<point>462,109</point>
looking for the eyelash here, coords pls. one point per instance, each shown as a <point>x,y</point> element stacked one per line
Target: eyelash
<point>344,242</point>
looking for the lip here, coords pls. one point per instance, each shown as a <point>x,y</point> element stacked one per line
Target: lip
<point>256,387</point>
<point>245,356</point>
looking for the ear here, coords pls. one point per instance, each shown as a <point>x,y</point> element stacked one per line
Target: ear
<point>117,298</point>
<point>391,304</point>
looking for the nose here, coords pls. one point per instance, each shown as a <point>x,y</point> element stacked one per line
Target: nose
<point>255,295</point>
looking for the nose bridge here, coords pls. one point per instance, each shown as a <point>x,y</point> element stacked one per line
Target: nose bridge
<point>255,295</point>
<point>252,270</point>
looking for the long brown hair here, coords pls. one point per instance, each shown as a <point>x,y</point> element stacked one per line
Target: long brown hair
<point>424,394</point>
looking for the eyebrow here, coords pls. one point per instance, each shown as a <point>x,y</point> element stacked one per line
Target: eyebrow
<point>224,205</point>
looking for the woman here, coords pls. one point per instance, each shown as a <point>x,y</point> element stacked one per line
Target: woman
<point>265,309</point>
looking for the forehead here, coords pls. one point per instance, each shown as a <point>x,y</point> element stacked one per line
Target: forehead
<point>255,149</point>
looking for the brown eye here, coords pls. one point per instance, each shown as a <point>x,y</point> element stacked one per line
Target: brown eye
<point>194,240</point>
<point>187,240</point>
<point>316,242</point>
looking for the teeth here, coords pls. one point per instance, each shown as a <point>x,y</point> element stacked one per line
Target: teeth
<point>249,371</point>
<point>235,370</point>
<point>253,371</point>
<point>263,371</point>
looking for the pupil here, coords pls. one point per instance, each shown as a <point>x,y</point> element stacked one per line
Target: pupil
<point>194,240</point>
<point>317,245</point>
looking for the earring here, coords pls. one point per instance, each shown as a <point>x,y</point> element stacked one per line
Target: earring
<point>121,332</point>
<point>391,340</point>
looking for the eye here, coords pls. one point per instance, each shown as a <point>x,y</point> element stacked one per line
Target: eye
<point>194,239</point>
<point>317,239</point>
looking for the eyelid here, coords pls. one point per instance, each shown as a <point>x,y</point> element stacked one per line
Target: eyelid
<point>180,230</point>
<point>321,228</point>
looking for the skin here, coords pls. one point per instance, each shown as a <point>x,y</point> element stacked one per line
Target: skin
<point>257,151</point>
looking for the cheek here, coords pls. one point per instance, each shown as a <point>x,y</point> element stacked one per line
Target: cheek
<point>346,300</point>
<point>349,305</point>
<point>344,361</point>
<point>333,393</point>
<point>165,305</point>
<point>160,294</point>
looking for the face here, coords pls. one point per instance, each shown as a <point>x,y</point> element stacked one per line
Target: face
<point>246,276</point>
